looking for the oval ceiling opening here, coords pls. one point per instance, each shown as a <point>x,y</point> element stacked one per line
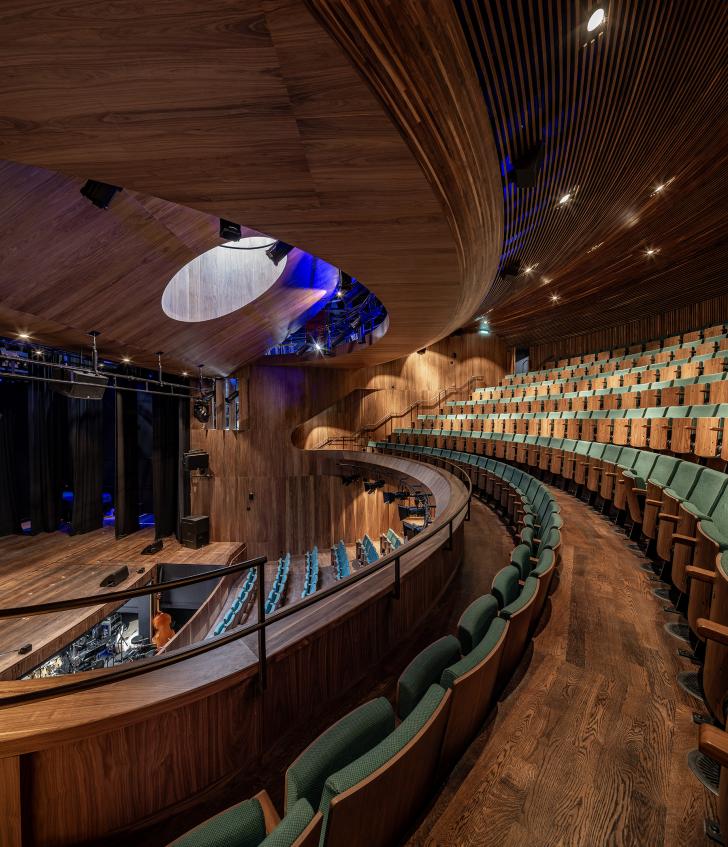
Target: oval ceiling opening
<point>222,281</point>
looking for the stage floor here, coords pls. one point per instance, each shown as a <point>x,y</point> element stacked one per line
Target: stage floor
<point>55,566</point>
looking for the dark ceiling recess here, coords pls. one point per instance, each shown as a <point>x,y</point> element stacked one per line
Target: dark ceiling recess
<point>611,145</point>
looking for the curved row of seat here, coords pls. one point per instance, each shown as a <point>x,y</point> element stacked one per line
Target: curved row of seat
<point>240,605</point>
<point>277,593</point>
<point>310,582</point>
<point>361,783</point>
<point>597,394</point>
<point>340,561</point>
<point>390,541</point>
<point>679,507</point>
<point>698,430</point>
<point>367,552</point>
<point>648,352</point>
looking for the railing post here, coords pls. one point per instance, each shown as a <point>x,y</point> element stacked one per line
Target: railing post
<point>467,514</point>
<point>262,659</point>
<point>449,538</point>
<point>395,593</point>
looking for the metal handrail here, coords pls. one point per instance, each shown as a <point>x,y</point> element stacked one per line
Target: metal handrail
<point>164,660</point>
<point>440,396</point>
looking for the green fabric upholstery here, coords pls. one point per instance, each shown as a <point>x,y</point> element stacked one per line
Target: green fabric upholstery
<point>291,826</point>
<point>242,825</point>
<point>476,655</point>
<point>530,587</point>
<point>521,559</point>
<point>664,470</point>
<point>474,622</point>
<point>685,479</point>
<point>334,749</point>
<point>545,561</point>
<point>366,764</point>
<point>704,496</point>
<point>423,671</point>
<point>505,586</point>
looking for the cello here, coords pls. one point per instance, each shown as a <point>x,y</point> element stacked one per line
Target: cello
<point>162,625</point>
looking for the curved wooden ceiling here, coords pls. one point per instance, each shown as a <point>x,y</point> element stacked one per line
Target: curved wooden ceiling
<point>250,110</point>
<point>638,104</point>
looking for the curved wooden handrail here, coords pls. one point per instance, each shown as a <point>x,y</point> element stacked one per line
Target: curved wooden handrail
<point>95,679</point>
<point>441,395</point>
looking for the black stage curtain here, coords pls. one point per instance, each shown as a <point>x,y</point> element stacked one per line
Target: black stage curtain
<point>47,448</point>
<point>183,479</point>
<point>165,463</point>
<point>86,433</point>
<point>126,495</point>
<point>13,403</point>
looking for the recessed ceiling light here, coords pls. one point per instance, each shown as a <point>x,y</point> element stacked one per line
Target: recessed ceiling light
<point>554,298</point>
<point>650,251</point>
<point>596,20</point>
<point>24,335</point>
<point>317,346</point>
<point>37,352</point>
<point>564,199</point>
<point>126,360</point>
<point>529,269</point>
<point>545,280</point>
<point>184,373</point>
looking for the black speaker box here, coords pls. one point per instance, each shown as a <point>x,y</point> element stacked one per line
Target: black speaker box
<point>196,460</point>
<point>195,531</point>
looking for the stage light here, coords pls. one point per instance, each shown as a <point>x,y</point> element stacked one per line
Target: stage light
<point>529,269</point>
<point>347,480</point>
<point>278,251</point>
<point>651,251</point>
<point>388,496</point>
<point>126,360</point>
<point>201,411</point>
<point>37,352</point>
<point>555,298</point>
<point>339,293</point>
<point>318,346</point>
<point>184,373</point>
<point>24,336</point>
<point>564,199</point>
<point>229,230</point>
<point>422,351</point>
<point>595,20</point>
<point>99,193</point>
<point>371,487</point>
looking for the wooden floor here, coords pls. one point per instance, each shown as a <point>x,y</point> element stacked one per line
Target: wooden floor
<point>589,747</point>
<point>54,566</point>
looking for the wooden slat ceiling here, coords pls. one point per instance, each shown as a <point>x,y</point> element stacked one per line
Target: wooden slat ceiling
<point>250,110</point>
<point>637,104</point>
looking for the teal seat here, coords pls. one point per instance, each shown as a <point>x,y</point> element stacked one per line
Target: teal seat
<point>704,497</point>
<point>664,470</point>
<point>530,587</point>
<point>684,481</point>
<point>716,528</point>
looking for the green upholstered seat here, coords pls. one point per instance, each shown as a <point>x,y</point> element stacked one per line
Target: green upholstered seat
<point>664,470</point>
<point>717,527</point>
<point>530,587</point>
<point>684,481</point>
<point>423,671</point>
<point>476,655</point>
<point>290,827</point>
<point>242,825</point>
<point>545,561</point>
<point>505,586</point>
<point>521,559</point>
<point>475,620</point>
<point>365,764</point>
<point>334,749</point>
<point>704,496</point>
<point>642,467</point>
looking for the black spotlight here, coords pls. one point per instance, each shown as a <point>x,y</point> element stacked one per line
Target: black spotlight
<point>230,231</point>
<point>411,512</point>
<point>99,193</point>
<point>527,166</point>
<point>389,496</point>
<point>278,251</point>
<point>347,480</point>
<point>371,487</point>
<point>201,411</point>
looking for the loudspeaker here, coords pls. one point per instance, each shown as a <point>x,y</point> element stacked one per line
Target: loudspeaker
<point>195,460</point>
<point>115,578</point>
<point>93,389</point>
<point>195,531</point>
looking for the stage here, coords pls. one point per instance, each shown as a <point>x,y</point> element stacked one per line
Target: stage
<point>55,566</point>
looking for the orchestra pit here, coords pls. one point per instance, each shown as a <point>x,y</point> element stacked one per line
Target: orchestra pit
<point>363,423</point>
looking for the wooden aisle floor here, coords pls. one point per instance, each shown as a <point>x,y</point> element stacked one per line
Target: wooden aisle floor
<point>590,745</point>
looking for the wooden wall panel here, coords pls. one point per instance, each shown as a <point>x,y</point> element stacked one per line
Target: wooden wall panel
<point>671,322</point>
<point>307,405</point>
